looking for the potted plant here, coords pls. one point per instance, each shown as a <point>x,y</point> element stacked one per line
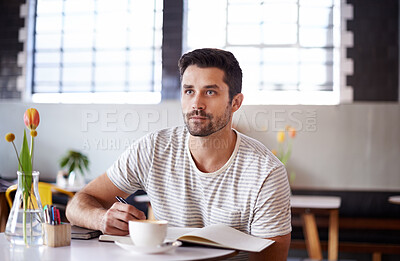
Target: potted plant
<point>24,221</point>
<point>76,165</point>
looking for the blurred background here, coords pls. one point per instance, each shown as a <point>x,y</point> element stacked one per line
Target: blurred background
<point>104,73</point>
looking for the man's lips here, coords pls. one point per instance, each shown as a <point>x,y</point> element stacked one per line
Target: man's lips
<point>197,118</point>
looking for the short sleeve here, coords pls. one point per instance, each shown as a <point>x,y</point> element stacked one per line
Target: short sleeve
<point>128,173</point>
<point>272,214</point>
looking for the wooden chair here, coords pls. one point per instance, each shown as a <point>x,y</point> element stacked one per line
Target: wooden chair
<point>45,192</point>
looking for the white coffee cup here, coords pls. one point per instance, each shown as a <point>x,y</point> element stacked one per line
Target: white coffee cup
<point>148,232</point>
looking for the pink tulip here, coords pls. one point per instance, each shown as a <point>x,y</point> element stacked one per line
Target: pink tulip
<point>31,118</point>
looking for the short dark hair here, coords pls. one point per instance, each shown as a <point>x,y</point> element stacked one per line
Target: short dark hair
<point>221,59</point>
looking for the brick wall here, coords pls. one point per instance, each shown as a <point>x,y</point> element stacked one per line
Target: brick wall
<point>172,48</point>
<point>375,53</point>
<point>10,23</point>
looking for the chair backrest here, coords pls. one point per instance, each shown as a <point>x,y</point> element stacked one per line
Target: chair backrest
<point>45,192</point>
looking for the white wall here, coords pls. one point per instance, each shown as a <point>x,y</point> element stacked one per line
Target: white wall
<point>100,131</point>
<point>353,146</point>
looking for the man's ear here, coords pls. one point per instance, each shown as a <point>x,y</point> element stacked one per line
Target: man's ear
<point>237,101</point>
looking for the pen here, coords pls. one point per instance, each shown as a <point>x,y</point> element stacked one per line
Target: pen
<point>51,209</point>
<point>46,214</point>
<point>58,217</point>
<point>121,200</point>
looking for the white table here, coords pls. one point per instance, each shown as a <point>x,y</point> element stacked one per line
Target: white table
<point>394,199</point>
<point>307,206</point>
<point>102,251</point>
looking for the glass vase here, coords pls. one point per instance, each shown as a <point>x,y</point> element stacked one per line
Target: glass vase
<point>24,224</point>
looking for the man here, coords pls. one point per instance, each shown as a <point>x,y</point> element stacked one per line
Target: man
<point>198,174</point>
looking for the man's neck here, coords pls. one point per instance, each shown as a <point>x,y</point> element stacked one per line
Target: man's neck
<point>212,152</point>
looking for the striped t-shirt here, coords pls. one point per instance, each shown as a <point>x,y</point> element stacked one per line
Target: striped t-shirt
<point>250,192</point>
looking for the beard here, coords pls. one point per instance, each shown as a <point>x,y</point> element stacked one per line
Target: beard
<point>202,129</point>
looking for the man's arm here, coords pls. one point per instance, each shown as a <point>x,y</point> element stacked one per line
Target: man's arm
<point>95,207</point>
<point>278,251</point>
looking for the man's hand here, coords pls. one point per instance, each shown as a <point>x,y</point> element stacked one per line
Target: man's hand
<point>95,207</point>
<point>116,219</point>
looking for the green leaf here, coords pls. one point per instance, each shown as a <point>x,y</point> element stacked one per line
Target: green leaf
<point>81,169</point>
<point>25,156</point>
<point>85,162</point>
<point>71,167</point>
<point>26,163</point>
<point>63,162</point>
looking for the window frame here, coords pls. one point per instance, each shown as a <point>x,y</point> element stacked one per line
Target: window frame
<point>91,96</point>
<point>171,52</point>
<point>339,93</point>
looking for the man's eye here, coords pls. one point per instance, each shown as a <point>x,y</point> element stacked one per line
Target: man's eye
<point>210,92</point>
<point>188,91</point>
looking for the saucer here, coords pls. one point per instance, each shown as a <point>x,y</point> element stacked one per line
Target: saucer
<point>166,246</point>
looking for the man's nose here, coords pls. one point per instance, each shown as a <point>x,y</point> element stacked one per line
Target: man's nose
<point>198,103</point>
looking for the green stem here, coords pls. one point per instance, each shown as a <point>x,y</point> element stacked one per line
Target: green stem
<point>24,220</point>
<point>25,199</point>
<point>30,216</point>
<point>16,152</point>
<point>32,150</point>
<point>280,151</point>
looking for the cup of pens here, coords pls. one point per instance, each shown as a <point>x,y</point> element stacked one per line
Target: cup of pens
<point>56,233</point>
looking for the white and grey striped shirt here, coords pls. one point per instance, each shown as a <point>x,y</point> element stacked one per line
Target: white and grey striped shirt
<point>250,192</point>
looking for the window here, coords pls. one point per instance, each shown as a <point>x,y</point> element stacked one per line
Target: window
<point>97,51</point>
<point>110,51</point>
<point>288,49</point>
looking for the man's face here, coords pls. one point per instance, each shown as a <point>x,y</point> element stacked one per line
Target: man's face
<point>206,106</point>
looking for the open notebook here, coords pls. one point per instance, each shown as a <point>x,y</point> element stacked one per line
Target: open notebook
<point>214,235</point>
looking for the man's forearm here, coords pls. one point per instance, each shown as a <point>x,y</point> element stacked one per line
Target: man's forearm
<point>84,210</point>
<point>278,251</point>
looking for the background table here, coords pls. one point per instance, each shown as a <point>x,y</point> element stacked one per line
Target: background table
<point>94,250</point>
<point>307,206</point>
<point>394,199</point>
